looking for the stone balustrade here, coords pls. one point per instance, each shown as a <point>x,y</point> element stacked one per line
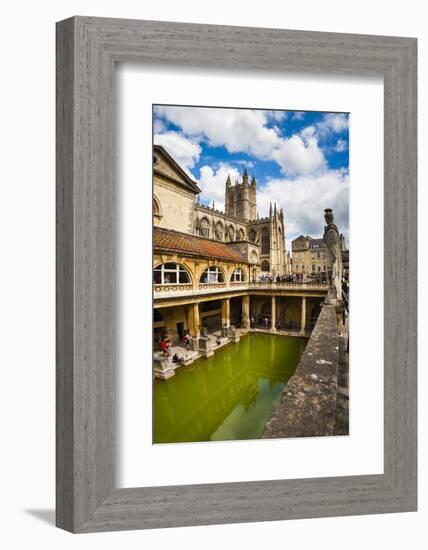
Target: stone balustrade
<point>241,285</point>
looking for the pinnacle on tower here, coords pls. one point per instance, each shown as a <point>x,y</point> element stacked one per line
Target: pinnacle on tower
<point>245,177</point>
<point>228,181</point>
<point>253,180</point>
<point>274,209</point>
<point>270,210</point>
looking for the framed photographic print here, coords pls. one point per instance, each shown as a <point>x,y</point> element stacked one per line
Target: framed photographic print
<point>236,274</point>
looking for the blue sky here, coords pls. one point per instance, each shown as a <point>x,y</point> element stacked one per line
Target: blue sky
<point>300,159</point>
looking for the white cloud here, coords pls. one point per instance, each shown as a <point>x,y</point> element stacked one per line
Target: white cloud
<point>300,154</point>
<point>304,200</point>
<point>298,115</point>
<point>239,130</point>
<point>341,146</point>
<point>308,132</point>
<point>185,151</point>
<point>246,131</point>
<point>333,122</point>
<point>158,126</point>
<point>213,183</point>
<point>276,115</point>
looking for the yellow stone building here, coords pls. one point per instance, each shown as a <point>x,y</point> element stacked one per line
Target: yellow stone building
<point>309,256</point>
<point>207,263</point>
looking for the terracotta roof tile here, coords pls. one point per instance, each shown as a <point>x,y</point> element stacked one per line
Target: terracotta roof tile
<point>167,240</point>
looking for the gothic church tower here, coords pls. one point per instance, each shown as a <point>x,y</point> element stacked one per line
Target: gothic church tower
<point>241,200</point>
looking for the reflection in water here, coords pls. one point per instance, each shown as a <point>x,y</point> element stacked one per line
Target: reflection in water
<point>228,396</point>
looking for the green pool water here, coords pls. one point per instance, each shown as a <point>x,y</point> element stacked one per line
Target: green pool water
<point>228,396</point>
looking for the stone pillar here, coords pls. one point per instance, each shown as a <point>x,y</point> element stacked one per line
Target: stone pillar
<point>246,311</point>
<point>303,316</point>
<point>273,314</point>
<point>193,320</point>
<point>225,312</point>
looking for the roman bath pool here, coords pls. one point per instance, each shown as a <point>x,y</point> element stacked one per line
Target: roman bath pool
<point>229,396</point>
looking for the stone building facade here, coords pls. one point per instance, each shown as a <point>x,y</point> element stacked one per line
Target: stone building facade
<point>206,263</point>
<point>261,241</point>
<point>309,256</point>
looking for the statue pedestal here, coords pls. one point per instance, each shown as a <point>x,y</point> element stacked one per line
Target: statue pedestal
<point>203,347</point>
<point>233,335</point>
<point>195,344</point>
<point>162,368</point>
<point>331,301</point>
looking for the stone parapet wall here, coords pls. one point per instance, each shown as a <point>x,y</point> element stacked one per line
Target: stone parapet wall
<point>308,402</point>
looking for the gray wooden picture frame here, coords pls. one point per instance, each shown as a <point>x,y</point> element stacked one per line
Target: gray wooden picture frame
<point>87,50</point>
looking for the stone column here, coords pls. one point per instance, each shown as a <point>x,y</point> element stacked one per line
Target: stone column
<point>303,316</point>
<point>225,312</point>
<point>194,320</point>
<point>246,311</point>
<point>273,314</point>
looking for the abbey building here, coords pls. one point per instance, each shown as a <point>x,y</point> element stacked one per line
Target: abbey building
<point>213,270</point>
<point>260,242</point>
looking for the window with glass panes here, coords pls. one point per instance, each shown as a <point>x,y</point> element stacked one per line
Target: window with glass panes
<point>237,276</point>
<point>212,275</point>
<point>170,274</point>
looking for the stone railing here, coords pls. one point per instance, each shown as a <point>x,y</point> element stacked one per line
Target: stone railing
<point>172,287</point>
<point>310,285</point>
<point>215,286</point>
<point>172,290</point>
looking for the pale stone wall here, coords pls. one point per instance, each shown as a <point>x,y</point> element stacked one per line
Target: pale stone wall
<point>309,258</point>
<point>218,220</point>
<point>176,206</point>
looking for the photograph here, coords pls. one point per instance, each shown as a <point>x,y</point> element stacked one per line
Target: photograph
<point>190,189</point>
<point>250,273</point>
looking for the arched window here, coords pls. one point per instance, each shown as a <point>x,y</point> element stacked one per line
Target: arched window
<point>219,231</point>
<point>212,274</point>
<point>171,274</point>
<point>157,213</point>
<point>241,235</point>
<point>231,233</point>
<point>265,241</point>
<point>237,276</point>
<point>297,268</point>
<point>253,236</point>
<point>205,228</point>
<point>265,266</point>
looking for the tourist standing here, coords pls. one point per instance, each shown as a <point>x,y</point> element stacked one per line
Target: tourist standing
<point>165,347</point>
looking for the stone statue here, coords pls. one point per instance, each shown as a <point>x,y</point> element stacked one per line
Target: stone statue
<point>334,255</point>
